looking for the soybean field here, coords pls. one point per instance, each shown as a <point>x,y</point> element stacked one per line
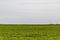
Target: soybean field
<point>29,32</point>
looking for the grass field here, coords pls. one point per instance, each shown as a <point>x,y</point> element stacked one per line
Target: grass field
<point>19,32</point>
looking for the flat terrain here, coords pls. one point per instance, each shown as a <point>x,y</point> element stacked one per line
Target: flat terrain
<point>24,32</point>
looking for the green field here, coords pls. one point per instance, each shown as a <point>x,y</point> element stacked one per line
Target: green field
<point>30,32</point>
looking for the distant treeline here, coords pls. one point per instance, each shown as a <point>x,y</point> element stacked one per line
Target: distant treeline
<point>29,24</point>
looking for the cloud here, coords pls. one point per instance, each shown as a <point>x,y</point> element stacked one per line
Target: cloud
<point>29,11</point>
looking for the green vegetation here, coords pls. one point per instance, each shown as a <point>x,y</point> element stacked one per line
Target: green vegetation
<point>29,32</point>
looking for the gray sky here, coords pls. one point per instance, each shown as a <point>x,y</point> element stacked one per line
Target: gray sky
<point>29,11</point>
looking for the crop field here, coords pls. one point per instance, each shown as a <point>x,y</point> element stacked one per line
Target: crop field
<point>29,32</point>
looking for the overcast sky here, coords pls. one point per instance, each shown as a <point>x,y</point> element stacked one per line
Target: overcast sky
<point>29,11</point>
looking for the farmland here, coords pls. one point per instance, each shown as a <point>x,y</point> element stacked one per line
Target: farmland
<point>29,32</point>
